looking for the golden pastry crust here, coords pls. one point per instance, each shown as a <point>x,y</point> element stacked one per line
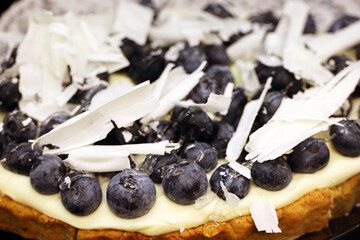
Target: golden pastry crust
<point>310,213</point>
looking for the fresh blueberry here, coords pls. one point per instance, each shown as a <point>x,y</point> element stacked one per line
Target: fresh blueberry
<point>80,193</point>
<point>216,54</point>
<point>272,175</point>
<point>184,183</point>
<point>346,137</point>
<point>265,18</point>
<point>263,72</point>
<point>53,121</point>
<point>156,165</point>
<point>131,194</point>
<point>3,143</point>
<point>164,130</point>
<point>20,157</point>
<point>203,154</point>
<point>202,90</point>
<point>342,22</point>
<point>233,181</point>
<point>221,136</point>
<point>222,75</point>
<point>148,67</point>
<point>132,51</point>
<point>46,173</point>
<point>217,10</point>
<point>194,125</point>
<point>233,38</point>
<point>309,156</point>
<point>286,81</point>
<point>238,102</point>
<point>9,94</point>
<point>20,127</point>
<point>337,63</point>
<point>191,58</point>
<point>129,135</point>
<point>103,76</point>
<point>310,26</point>
<point>270,105</point>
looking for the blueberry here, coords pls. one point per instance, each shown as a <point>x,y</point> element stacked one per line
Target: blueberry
<point>184,183</point>
<point>202,90</point>
<point>272,175</point>
<point>156,165</point>
<point>80,193</point>
<point>129,135</point>
<point>285,80</point>
<point>131,194</point>
<point>221,136</point>
<point>310,26</point>
<point>194,125</point>
<point>337,63</point>
<point>191,58</point>
<point>217,10</point>
<point>216,54</point>
<point>165,130</point>
<point>265,18</point>
<point>90,93</point>
<point>9,94</point>
<point>46,173</point>
<point>233,181</point>
<point>18,126</point>
<point>103,76</point>
<point>222,75</point>
<point>148,67</point>
<point>53,121</point>
<point>3,143</point>
<point>238,102</point>
<point>20,157</point>
<point>346,138</point>
<point>342,22</point>
<point>233,38</point>
<point>263,72</point>
<point>203,154</point>
<point>309,156</point>
<point>270,105</point>
<point>131,50</point>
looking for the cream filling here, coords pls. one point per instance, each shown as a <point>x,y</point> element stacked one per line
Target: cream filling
<point>167,216</point>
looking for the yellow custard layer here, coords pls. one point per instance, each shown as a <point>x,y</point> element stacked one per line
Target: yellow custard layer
<point>167,216</point>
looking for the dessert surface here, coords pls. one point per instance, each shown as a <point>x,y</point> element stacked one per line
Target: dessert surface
<point>135,118</point>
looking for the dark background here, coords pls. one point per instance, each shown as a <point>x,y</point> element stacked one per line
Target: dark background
<point>345,228</point>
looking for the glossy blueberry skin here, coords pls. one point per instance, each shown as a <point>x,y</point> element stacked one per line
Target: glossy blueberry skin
<point>201,153</point>
<point>20,157</point>
<point>9,94</point>
<point>272,175</point>
<point>3,143</point>
<point>83,195</point>
<point>191,58</point>
<point>221,136</point>
<point>269,107</point>
<point>309,156</point>
<point>217,10</point>
<point>148,67</point>
<point>129,135</point>
<point>233,181</point>
<point>238,102</point>
<point>346,138</point>
<point>342,22</point>
<point>18,126</point>
<point>216,54</point>
<point>194,125</point>
<point>263,72</point>
<point>131,50</point>
<point>53,121</point>
<point>46,173</point>
<point>184,184</point>
<point>222,76</point>
<point>202,90</point>
<point>286,81</point>
<point>131,194</point>
<point>337,63</point>
<point>165,130</point>
<point>156,165</point>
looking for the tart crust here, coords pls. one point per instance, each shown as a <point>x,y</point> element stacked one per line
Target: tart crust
<point>310,213</point>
